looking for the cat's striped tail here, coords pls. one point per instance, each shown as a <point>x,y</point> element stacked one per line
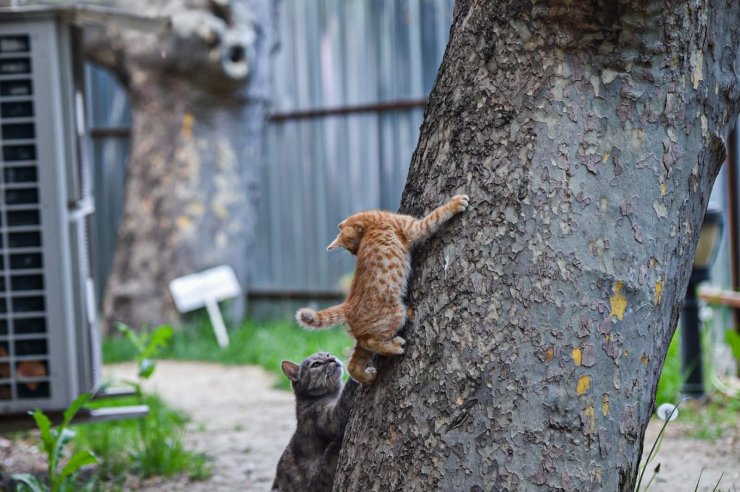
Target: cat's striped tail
<point>316,320</point>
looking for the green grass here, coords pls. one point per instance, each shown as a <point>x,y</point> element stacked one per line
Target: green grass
<point>709,420</point>
<point>262,343</point>
<point>118,445</point>
<point>714,419</point>
<point>669,386</point>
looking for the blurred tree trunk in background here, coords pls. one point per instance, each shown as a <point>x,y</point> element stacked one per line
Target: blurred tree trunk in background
<point>588,135</point>
<point>198,92</point>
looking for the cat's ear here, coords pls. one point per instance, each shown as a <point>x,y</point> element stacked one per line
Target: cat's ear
<point>290,370</point>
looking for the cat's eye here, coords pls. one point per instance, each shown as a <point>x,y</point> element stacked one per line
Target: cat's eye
<point>315,364</point>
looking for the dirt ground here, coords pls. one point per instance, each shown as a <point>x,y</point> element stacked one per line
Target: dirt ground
<point>243,423</point>
<point>683,461</point>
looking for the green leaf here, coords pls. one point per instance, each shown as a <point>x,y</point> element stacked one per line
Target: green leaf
<point>132,336</point>
<point>28,482</point>
<point>74,407</point>
<point>146,368</point>
<point>162,335</point>
<point>63,437</point>
<point>134,384</point>
<point>44,425</point>
<point>77,461</point>
<point>157,340</point>
<point>732,338</point>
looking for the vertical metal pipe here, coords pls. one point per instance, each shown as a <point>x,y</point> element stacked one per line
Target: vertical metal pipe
<point>691,356</point>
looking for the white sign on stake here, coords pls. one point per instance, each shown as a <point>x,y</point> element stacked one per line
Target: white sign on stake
<point>206,289</point>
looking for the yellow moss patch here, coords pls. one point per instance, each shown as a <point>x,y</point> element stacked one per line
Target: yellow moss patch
<point>186,130</point>
<point>584,383</point>
<point>663,189</point>
<point>549,354</point>
<point>183,222</point>
<point>577,355</point>
<point>618,302</point>
<point>645,359</point>
<point>658,291</point>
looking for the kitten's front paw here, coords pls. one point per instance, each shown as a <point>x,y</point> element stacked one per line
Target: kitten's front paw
<point>370,374</point>
<point>398,343</point>
<point>460,203</point>
<point>363,376</point>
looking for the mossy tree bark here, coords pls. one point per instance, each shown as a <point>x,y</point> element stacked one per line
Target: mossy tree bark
<point>588,135</point>
<point>198,91</point>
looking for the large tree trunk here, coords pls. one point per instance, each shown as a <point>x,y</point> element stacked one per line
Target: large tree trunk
<point>588,135</point>
<point>198,92</point>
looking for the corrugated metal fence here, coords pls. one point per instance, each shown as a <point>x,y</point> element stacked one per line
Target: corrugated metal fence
<point>351,77</point>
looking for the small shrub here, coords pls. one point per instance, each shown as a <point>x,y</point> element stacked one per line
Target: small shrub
<point>162,452</point>
<point>54,440</point>
<point>149,446</point>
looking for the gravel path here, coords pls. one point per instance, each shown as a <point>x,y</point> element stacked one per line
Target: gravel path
<point>683,460</point>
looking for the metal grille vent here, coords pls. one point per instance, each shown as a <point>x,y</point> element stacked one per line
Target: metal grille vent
<point>24,344</point>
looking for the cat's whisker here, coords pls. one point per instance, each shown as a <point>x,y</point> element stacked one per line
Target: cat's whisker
<point>335,255</point>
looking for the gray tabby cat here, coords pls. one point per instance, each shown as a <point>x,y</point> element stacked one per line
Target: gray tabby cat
<point>322,409</point>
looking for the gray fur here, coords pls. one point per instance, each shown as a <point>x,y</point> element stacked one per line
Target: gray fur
<point>322,410</point>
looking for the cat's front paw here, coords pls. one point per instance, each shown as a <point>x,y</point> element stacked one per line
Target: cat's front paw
<point>459,203</point>
<point>398,344</point>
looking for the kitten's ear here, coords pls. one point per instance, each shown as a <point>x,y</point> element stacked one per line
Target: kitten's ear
<point>290,370</point>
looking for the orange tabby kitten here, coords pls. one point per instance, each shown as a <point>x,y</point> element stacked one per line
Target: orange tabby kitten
<point>374,309</point>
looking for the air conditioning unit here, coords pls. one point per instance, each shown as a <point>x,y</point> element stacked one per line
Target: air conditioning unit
<point>49,351</point>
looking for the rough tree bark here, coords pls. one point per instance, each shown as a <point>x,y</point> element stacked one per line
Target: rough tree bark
<point>198,90</point>
<point>588,135</point>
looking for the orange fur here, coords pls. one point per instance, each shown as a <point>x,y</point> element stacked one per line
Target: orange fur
<point>374,309</point>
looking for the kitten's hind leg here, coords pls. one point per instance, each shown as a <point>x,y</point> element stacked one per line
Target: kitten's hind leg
<point>357,365</point>
<point>382,346</point>
<point>381,339</point>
